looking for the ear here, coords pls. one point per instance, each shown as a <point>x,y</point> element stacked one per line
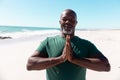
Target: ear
<point>59,21</point>
<point>76,23</point>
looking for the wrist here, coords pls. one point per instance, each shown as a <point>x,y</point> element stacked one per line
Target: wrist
<point>71,59</point>
<point>62,59</point>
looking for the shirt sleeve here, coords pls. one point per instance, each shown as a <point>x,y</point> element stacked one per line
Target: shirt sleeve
<point>42,46</point>
<point>93,51</point>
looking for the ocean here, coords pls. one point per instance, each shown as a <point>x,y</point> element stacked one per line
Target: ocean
<point>23,32</point>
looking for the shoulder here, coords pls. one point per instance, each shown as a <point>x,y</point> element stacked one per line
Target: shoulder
<point>84,42</point>
<point>47,41</point>
<point>52,37</point>
<point>81,40</point>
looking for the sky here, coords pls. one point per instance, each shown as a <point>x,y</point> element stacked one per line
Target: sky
<point>91,14</point>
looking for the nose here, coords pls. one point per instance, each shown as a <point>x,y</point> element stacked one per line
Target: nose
<point>67,21</point>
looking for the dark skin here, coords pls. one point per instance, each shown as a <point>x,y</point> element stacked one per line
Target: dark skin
<point>68,21</point>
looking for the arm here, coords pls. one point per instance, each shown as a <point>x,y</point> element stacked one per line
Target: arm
<point>39,61</point>
<point>92,63</point>
<point>95,62</point>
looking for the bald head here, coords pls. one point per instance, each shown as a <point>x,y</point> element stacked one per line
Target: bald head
<point>70,12</point>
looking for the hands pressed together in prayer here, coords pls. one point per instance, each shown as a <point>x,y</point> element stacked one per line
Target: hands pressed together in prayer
<point>67,53</point>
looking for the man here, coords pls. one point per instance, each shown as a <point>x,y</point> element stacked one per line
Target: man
<point>66,57</point>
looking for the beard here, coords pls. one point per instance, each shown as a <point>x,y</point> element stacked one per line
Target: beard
<point>67,32</point>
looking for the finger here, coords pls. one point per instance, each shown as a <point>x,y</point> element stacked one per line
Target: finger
<point>67,38</point>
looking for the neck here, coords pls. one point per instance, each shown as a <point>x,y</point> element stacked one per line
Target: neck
<point>64,35</point>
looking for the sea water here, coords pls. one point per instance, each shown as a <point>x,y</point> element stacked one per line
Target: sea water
<point>19,31</point>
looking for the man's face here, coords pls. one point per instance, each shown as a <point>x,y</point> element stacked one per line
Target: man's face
<point>68,22</point>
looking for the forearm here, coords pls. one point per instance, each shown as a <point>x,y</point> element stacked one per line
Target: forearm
<point>92,63</point>
<point>38,63</point>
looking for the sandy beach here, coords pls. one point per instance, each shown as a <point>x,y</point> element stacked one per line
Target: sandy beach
<point>13,56</point>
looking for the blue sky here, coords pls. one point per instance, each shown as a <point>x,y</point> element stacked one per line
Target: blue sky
<point>91,14</point>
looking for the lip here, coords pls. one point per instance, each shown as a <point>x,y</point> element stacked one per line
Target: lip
<point>67,28</point>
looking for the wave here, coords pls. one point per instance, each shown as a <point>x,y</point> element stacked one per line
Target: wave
<point>27,33</point>
<point>10,29</point>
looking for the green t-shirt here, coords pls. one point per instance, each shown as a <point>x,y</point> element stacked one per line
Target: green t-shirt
<point>53,47</point>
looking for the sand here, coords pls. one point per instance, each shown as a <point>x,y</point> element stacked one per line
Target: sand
<point>13,56</point>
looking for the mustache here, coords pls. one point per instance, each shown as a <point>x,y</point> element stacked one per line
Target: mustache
<point>67,26</point>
